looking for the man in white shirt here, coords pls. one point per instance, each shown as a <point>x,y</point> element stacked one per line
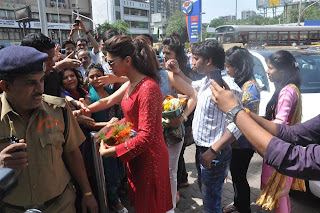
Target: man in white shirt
<point>209,123</point>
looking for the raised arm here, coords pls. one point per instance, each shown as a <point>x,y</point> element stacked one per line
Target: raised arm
<point>90,37</point>
<point>183,87</point>
<point>109,101</point>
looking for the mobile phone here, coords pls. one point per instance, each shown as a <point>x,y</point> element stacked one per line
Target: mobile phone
<point>216,76</point>
<point>14,140</point>
<point>77,22</point>
<point>63,51</point>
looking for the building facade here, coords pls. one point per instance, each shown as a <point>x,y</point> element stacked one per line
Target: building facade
<point>135,12</point>
<point>158,6</point>
<point>159,24</point>
<point>228,18</point>
<point>173,6</point>
<point>247,13</point>
<point>11,31</point>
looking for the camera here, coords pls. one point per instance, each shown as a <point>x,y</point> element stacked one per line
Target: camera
<point>77,22</point>
<point>63,51</point>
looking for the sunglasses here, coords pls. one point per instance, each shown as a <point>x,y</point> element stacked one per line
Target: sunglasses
<point>112,63</point>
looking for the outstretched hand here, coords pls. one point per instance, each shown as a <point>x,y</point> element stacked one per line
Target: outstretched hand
<point>107,151</point>
<point>173,66</point>
<point>224,98</point>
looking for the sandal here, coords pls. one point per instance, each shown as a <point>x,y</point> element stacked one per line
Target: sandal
<point>230,209</point>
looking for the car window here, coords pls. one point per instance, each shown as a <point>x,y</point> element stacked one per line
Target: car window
<point>260,75</point>
<point>310,73</point>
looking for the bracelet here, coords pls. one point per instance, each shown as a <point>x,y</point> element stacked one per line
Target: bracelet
<point>185,118</point>
<point>87,32</point>
<point>87,194</point>
<point>214,152</point>
<point>247,111</point>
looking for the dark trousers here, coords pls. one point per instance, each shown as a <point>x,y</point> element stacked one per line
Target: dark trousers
<point>238,168</point>
<point>182,175</point>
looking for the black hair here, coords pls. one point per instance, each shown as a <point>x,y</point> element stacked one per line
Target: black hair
<point>79,77</point>
<point>81,40</point>
<point>284,62</point>
<point>174,44</point>
<point>242,60</point>
<point>38,41</point>
<point>210,49</point>
<point>2,46</point>
<point>142,55</point>
<point>92,66</point>
<point>68,42</point>
<point>109,34</point>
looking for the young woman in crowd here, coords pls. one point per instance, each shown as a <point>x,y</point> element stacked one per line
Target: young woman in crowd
<point>283,108</point>
<point>146,154</point>
<point>174,131</point>
<point>113,168</point>
<point>239,65</point>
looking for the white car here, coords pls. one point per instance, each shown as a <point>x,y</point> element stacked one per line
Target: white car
<point>309,63</point>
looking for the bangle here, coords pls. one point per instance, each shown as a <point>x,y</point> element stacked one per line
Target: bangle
<point>87,32</point>
<point>87,194</point>
<point>179,72</point>
<point>214,152</point>
<point>185,118</point>
<point>247,111</point>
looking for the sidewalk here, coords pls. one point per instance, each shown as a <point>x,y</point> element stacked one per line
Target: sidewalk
<point>190,197</point>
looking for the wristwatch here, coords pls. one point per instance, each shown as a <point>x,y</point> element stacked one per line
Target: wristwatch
<point>231,115</point>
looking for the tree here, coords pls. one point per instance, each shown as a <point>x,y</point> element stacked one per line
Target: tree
<point>177,24</point>
<point>312,13</point>
<point>217,22</point>
<point>121,26</point>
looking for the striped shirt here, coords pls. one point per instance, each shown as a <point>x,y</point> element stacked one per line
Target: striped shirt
<point>209,123</point>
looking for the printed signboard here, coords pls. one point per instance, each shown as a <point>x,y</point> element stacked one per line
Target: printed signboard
<point>192,9</point>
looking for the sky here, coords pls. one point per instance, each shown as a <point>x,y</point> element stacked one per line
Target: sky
<point>216,8</point>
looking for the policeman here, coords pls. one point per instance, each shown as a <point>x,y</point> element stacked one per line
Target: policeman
<point>47,132</point>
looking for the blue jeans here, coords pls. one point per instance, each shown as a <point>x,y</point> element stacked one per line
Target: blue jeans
<point>211,180</point>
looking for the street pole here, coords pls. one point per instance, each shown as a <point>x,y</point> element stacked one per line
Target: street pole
<point>60,42</point>
<point>236,21</point>
<point>299,17</point>
<point>43,17</point>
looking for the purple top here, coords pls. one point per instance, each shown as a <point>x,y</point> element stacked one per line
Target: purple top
<point>301,157</point>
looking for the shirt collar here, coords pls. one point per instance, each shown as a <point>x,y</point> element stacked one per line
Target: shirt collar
<point>6,107</point>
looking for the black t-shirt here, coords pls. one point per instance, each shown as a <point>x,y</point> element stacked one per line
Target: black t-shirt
<point>52,84</point>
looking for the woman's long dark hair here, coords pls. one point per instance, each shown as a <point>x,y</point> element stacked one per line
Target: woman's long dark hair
<point>79,77</point>
<point>284,62</point>
<point>241,59</point>
<point>143,58</point>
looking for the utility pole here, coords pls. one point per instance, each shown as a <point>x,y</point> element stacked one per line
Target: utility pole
<point>60,42</point>
<point>43,17</point>
<point>236,21</point>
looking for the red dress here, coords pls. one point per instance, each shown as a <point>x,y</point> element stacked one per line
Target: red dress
<point>146,154</point>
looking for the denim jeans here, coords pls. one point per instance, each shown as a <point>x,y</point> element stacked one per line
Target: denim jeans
<point>211,180</point>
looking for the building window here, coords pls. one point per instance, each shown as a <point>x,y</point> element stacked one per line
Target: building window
<point>118,15</point>
<point>126,11</point>
<point>117,2</point>
<point>60,1</point>
<point>7,14</point>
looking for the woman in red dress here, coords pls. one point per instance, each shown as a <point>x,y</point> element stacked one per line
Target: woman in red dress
<point>146,154</point>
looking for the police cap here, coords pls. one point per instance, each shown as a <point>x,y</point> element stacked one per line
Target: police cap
<point>21,60</point>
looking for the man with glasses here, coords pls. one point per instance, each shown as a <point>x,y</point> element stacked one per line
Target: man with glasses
<point>85,59</point>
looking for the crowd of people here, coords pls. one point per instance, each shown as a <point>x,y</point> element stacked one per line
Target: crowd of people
<point>51,102</point>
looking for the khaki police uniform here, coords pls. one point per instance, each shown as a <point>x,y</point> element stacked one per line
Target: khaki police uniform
<point>45,182</point>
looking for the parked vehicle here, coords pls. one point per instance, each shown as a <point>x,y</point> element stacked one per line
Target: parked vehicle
<point>309,63</point>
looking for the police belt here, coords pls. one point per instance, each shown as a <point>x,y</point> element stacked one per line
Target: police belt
<point>41,206</point>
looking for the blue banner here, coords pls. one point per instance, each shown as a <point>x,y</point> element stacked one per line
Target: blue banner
<point>192,9</point>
